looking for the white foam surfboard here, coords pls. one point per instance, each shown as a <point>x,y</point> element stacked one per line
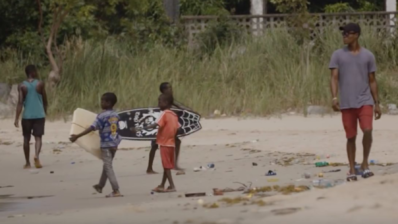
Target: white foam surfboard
<point>82,119</point>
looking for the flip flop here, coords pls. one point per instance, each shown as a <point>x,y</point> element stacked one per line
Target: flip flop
<point>180,172</point>
<point>27,167</point>
<point>358,170</point>
<point>352,177</point>
<point>159,189</point>
<point>114,195</point>
<point>169,190</point>
<point>367,173</point>
<point>97,188</point>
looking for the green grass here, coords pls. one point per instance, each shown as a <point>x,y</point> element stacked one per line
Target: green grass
<point>272,74</point>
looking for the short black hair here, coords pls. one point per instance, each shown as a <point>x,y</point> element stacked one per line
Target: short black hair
<point>163,86</point>
<point>110,97</point>
<point>29,69</point>
<point>168,97</point>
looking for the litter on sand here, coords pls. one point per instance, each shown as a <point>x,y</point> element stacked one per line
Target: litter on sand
<point>270,173</point>
<point>198,194</point>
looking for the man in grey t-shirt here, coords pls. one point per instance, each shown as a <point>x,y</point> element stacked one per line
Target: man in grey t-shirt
<point>353,73</point>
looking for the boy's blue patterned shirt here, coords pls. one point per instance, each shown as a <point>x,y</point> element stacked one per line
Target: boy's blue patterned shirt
<point>107,124</point>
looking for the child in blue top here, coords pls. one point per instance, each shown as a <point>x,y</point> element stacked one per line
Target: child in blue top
<point>107,125</point>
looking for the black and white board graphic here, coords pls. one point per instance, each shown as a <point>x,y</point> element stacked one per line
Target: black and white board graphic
<point>189,121</point>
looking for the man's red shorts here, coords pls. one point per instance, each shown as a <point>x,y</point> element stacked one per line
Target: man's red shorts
<point>351,117</point>
<point>167,155</point>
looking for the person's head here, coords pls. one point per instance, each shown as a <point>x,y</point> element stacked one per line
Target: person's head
<point>31,71</point>
<point>351,33</point>
<point>108,100</point>
<point>165,87</point>
<point>165,101</point>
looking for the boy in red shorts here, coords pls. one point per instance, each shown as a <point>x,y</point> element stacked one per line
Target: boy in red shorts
<point>166,88</point>
<point>353,72</point>
<point>168,126</point>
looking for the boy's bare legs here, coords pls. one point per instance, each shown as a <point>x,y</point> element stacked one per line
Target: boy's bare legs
<point>178,146</point>
<point>172,187</point>
<point>38,144</point>
<point>152,153</point>
<point>161,188</point>
<point>163,179</point>
<point>351,148</point>
<point>367,144</point>
<point>26,150</point>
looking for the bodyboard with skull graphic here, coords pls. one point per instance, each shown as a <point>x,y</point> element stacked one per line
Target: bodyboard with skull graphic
<point>189,121</point>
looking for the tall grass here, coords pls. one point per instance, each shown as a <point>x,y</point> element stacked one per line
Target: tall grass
<point>259,75</point>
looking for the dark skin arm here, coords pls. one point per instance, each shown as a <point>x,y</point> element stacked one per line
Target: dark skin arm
<point>73,138</point>
<point>180,106</point>
<point>375,94</point>
<point>334,81</point>
<point>19,105</point>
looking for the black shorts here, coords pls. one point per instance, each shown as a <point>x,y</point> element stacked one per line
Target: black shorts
<point>33,127</point>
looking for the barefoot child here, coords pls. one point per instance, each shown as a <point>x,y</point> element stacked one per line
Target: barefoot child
<point>107,125</point>
<point>166,88</point>
<point>32,98</point>
<point>168,125</point>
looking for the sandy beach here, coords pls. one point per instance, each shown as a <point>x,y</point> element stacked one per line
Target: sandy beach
<point>61,191</point>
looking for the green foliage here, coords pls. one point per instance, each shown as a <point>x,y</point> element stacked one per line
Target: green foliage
<point>273,73</point>
<point>339,7</point>
<point>147,25</point>
<point>300,19</point>
<point>291,6</point>
<point>369,6</point>
<point>203,7</point>
<point>219,33</point>
<point>317,6</point>
<point>360,5</point>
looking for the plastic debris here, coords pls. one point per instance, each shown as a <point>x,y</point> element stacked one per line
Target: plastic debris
<point>323,183</point>
<point>199,194</point>
<point>270,173</point>
<point>306,175</point>
<point>333,171</point>
<point>321,164</point>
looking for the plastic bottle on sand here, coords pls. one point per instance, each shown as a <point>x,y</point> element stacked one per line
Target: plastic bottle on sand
<point>321,164</point>
<point>323,183</point>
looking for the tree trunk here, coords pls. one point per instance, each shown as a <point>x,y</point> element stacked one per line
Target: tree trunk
<point>54,78</point>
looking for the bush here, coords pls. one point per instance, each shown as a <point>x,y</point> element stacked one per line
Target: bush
<point>219,33</point>
<point>260,76</point>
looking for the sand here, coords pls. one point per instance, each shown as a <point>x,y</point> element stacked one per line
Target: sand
<point>289,145</point>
